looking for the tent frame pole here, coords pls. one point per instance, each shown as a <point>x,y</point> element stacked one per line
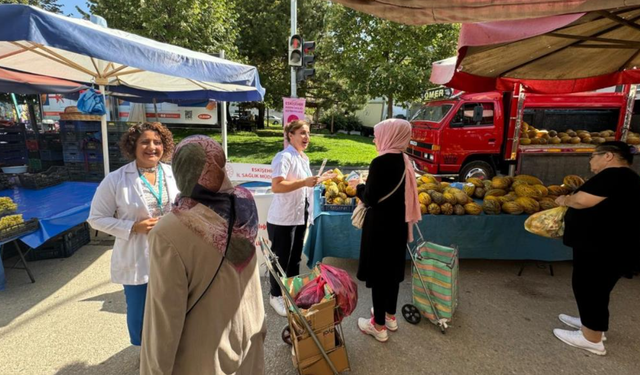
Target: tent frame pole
<point>105,135</point>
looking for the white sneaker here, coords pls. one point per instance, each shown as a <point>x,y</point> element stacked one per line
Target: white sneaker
<point>577,340</point>
<point>575,322</point>
<point>390,323</point>
<point>367,327</point>
<point>278,305</point>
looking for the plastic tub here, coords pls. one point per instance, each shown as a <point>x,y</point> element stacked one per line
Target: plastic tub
<point>15,170</point>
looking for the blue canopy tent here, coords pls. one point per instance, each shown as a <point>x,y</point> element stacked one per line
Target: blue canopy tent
<point>35,41</point>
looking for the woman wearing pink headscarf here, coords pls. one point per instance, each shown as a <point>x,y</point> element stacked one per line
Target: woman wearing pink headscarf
<point>391,193</point>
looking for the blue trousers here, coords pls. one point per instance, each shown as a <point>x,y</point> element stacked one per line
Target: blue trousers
<point>135,295</point>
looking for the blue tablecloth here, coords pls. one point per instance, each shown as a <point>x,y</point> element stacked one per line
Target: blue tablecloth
<point>480,237</point>
<point>58,208</point>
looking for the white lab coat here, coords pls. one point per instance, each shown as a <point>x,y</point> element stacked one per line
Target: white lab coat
<point>117,205</point>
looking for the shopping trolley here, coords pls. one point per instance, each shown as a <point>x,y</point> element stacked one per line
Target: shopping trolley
<point>434,283</point>
<point>295,317</point>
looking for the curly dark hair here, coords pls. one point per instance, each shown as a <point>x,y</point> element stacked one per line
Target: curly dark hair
<point>129,139</point>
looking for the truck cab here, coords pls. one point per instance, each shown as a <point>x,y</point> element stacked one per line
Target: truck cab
<point>460,135</point>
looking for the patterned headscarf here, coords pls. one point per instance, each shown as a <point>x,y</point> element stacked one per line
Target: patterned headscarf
<point>392,137</point>
<point>205,201</point>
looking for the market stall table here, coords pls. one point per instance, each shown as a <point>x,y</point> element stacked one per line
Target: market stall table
<point>58,208</point>
<point>477,237</point>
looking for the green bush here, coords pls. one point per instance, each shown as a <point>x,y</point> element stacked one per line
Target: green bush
<point>342,122</point>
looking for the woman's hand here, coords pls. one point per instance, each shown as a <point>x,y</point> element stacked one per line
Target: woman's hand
<point>145,226</point>
<point>561,200</point>
<point>311,181</point>
<point>328,175</point>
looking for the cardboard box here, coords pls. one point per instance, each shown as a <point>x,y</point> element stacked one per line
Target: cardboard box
<point>306,348</point>
<point>319,316</point>
<point>318,366</point>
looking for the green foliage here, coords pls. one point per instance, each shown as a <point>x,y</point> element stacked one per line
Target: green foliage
<point>341,121</point>
<point>204,26</point>
<point>379,58</point>
<point>48,5</point>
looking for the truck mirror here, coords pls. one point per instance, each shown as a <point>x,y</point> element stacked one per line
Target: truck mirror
<point>478,112</point>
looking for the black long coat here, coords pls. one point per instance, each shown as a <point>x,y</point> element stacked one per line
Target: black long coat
<point>384,232</point>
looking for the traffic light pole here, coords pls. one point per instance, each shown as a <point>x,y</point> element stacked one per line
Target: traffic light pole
<point>294,31</point>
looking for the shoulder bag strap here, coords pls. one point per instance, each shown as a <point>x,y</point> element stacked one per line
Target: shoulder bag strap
<point>232,221</point>
<point>394,190</point>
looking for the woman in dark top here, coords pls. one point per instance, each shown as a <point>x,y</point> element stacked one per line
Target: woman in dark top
<point>605,241</point>
<point>387,225</point>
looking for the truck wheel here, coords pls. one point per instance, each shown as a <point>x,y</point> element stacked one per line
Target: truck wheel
<point>478,169</point>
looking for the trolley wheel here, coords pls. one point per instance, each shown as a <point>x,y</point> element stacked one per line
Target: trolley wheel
<point>411,314</point>
<point>286,335</point>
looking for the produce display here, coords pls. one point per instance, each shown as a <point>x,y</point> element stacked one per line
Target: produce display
<point>523,194</point>
<point>337,194</point>
<point>7,206</point>
<point>10,221</point>
<point>532,136</point>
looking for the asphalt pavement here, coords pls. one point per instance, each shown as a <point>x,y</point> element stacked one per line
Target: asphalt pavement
<point>72,321</point>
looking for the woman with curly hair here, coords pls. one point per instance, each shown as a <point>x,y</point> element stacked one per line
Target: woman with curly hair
<point>128,204</point>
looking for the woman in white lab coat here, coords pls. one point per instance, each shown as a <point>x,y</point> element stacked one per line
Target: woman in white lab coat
<point>128,204</point>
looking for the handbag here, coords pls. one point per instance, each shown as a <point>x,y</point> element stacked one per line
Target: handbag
<point>357,218</point>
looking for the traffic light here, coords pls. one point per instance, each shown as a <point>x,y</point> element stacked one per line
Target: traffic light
<point>308,59</point>
<point>295,50</point>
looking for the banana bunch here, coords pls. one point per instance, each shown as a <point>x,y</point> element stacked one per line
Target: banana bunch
<point>7,205</point>
<point>10,221</point>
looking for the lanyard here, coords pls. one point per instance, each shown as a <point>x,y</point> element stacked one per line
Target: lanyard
<point>158,195</point>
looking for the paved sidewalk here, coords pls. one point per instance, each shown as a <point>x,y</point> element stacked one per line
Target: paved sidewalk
<point>71,321</point>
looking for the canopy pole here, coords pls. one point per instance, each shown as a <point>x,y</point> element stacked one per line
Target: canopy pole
<point>155,109</point>
<point>105,136</point>
<point>223,120</point>
<point>631,99</point>
<point>516,133</point>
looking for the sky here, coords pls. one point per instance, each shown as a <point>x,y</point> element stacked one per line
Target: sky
<point>69,6</point>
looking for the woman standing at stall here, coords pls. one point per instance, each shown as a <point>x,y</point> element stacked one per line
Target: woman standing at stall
<point>599,261</point>
<point>292,184</point>
<point>391,193</point>
<point>128,204</point>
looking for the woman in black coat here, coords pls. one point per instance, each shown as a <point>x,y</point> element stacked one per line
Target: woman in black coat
<point>392,197</point>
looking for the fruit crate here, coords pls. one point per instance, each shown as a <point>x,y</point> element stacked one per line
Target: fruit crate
<point>336,207</point>
<point>63,245</point>
<point>73,156</point>
<point>32,145</point>
<point>37,165</point>
<point>12,146</point>
<point>51,141</point>
<point>16,231</point>
<point>94,156</point>
<point>86,176</point>
<point>53,176</point>
<point>80,126</point>
<point>13,157</point>
<point>50,155</point>
<point>12,134</point>
<point>116,165</point>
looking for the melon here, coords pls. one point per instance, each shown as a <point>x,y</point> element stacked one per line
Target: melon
<point>531,180</point>
<point>446,209</point>
<point>479,193</point>
<point>458,209</point>
<point>557,190</point>
<point>449,198</point>
<point>527,191</point>
<point>572,182</point>
<point>424,199</point>
<point>434,209</point>
<point>472,208</point>
<point>547,204</point>
<point>476,182</point>
<point>491,206</point>
<point>542,190</point>
<point>529,205</point>
<point>525,141</point>
<point>500,183</point>
<point>512,208</point>
<point>437,198</point>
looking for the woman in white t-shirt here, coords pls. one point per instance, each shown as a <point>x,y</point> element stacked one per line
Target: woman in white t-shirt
<point>292,184</point>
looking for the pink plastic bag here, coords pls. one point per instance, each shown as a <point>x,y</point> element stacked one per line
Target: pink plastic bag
<point>344,288</point>
<point>311,293</point>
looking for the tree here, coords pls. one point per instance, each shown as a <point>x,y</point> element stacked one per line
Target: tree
<point>204,26</point>
<point>380,58</point>
<point>48,5</point>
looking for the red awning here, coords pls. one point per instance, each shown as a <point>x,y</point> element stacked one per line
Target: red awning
<point>557,54</point>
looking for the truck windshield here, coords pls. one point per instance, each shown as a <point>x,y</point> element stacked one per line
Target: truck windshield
<point>433,113</point>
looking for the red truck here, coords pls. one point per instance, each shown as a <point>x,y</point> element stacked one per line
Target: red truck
<point>477,134</point>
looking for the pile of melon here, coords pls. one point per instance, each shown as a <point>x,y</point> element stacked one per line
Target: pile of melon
<point>338,192</point>
<point>523,194</point>
<point>440,198</point>
<point>532,136</point>
<point>633,138</point>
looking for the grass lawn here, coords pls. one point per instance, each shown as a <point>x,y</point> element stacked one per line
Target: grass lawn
<point>260,147</point>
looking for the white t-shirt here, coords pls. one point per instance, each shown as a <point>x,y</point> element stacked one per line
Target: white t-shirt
<point>288,208</point>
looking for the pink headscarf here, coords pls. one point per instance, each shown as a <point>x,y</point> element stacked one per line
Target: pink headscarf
<point>392,137</point>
